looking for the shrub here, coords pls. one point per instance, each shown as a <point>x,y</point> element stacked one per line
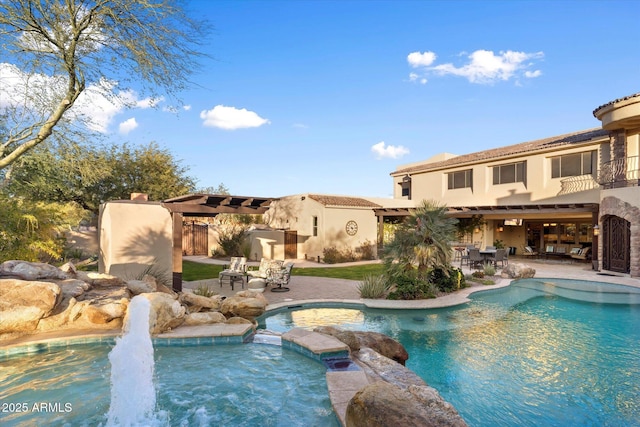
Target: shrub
<point>204,291</point>
<point>489,269</point>
<point>373,286</point>
<point>231,239</point>
<point>478,274</point>
<point>333,255</point>
<point>366,250</point>
<point>447,279</point>
<point>411,286</point>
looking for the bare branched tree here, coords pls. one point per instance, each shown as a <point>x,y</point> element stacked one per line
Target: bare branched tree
<point>54,51</point>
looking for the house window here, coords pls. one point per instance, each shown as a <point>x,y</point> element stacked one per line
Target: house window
<point>573,164</point>
<point>512,172</point>
<point>405,186</point>
<point>460,179</point>
<point>315,226</point>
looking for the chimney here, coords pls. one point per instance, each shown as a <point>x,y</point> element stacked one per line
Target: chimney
<point>142,197</point>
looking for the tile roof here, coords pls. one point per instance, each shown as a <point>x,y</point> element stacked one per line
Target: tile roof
<point>614,101</point>
<point>510,150</point>
<point>346,201</point>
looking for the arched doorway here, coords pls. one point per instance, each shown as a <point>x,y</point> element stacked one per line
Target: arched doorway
<point>616,244</point>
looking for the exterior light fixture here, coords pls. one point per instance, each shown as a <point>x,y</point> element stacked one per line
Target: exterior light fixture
<point>596,230</point>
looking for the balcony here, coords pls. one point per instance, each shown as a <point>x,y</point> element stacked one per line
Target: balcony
<point>620,173</point>
<point>577,184</point>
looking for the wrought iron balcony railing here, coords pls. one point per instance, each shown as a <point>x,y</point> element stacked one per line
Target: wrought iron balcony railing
<point>576,184</point>
<point>623,172</point>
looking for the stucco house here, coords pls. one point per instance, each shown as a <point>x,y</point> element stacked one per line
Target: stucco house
<point>577,190</point>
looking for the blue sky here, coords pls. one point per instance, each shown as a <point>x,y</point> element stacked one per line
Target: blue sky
<point>332,96</point>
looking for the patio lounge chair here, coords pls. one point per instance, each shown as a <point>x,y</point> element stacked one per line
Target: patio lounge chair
<point>235,271</point>
<point>265,265</point>
<point>278,278</point>
<point>528,251</point>
<point>582,255</point>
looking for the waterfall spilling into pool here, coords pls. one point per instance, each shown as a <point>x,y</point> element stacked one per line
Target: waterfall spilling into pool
<point>133,394</point>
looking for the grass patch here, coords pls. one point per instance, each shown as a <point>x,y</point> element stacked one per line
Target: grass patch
<point>358,272</point>
<point>198,271</point>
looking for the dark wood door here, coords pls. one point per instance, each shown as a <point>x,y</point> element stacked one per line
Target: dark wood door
<point>616,244</point>
<point>195,239</point>
<point>291,244</point>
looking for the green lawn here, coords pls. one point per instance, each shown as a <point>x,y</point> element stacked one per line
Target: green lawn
<point>197,271</point>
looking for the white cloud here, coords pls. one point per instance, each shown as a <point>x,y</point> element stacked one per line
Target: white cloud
<point>231,118</point>
<point>483,67</point>
<point>390,151</point>
<point>186,107</point>
<point>128,125</point>
<point>418,59</point>
<point>96,106</point>
<point>300,126</point>
<point>532,74</point>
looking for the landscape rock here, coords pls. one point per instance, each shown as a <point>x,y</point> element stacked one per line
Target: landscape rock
<point>138,287</point>
<point>248,308</point>
<point>24,303</point>
<point>205,318</point>
<point>31,270</point>
<point>197,302</point>
<point>347,337</point>
<point>515,270</point>
<point>72,288</point>
<point>166,312</point>
<point>382,404</point>
<point>383,345</point>
<point>99,279</point>
<point>238,321</point>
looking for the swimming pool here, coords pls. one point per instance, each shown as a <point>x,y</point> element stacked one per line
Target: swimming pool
<point>541,352</point>
<point>229,384</point>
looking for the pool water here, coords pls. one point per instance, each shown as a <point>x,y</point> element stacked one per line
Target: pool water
<point>223,385</point>
<point>519,356</point>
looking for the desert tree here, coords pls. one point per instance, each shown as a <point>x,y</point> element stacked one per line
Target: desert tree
<point>58,54</point>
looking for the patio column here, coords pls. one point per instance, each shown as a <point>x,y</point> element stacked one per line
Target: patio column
<point>176,254</point>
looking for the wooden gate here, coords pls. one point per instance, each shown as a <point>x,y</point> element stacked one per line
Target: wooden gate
<point>291,244</point>
<point>195,239</point>
<point>616,244</point>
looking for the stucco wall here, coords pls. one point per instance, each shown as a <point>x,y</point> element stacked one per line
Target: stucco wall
<point>133,237</point>
<point>297,212</point>
<point>539,188</point>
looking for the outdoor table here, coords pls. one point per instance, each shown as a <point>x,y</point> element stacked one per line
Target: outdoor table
<point>489,255</point>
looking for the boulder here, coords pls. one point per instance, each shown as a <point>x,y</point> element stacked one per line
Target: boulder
<point>23,303</point>
<point>31,270</point>
<point>205,318</point>
<point>347,337</point>
<point>515,270</point>
<point>382,404</point>
<point>166,312</point>
<point>72,288</point>
<point>248,308</point>
<point>383,345</point>
<point>198,302</point>
<point>99,279</point>
<point>137,287</point>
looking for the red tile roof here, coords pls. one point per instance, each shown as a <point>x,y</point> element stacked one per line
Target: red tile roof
<point>510,150</point>
<point>346,201</point>
<point>614,101</point>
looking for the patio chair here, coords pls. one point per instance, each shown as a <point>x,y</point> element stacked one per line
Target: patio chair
<point>265,265</point>
<point>501,257</point>
<point>528,251</point>
<point>464,259</point>
<point>476,260</point>
<point>278,278</point>
<point>235,271</point>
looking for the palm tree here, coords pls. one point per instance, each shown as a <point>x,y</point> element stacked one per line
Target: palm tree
<point>423,239</point>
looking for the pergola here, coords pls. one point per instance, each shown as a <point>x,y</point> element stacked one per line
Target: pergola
<point>205,205</point>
